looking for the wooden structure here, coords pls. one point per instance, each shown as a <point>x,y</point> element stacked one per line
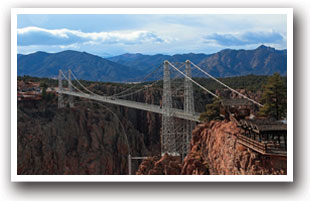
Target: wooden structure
<point>264,136</point>
<point>238,108</point>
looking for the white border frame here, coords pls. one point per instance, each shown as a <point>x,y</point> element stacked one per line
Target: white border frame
<point>152,178</point>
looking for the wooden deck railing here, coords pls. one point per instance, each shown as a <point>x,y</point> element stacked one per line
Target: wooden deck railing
<point>253,144</point>
<point>261,147</point>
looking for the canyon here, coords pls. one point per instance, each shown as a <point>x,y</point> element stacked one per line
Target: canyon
<point>87,138</point>
<point>91,139</point>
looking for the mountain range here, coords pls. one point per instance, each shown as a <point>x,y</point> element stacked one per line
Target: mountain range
<point>260,61</point>
<point>84,65</point>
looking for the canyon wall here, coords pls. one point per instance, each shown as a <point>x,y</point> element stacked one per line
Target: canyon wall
<point>215,150</point>
<point>86,139</point>
<point>216,143</point>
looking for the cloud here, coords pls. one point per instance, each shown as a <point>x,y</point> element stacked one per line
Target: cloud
<point>64,37</point>
<point>245,38</point>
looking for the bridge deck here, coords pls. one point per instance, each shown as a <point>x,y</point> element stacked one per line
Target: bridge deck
<point>136,105</point>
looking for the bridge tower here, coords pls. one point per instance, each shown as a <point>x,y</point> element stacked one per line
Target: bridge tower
<point>60,96</point>
<point>70,98</point>
<point>189,107</point>
<point>168,144</point>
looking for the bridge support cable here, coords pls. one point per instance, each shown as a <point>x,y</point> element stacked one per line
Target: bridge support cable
<point>144,79</point>
<point>72,84</point>
<point>60,96</point>
<point>83,85</point>
<point>194,81</point>
<point>125,135</point>
<point>121,95</point>
<point>137,91</point>
<point>168,136</point>
<point>177,84</point>
<point>233,90</point>
<point>122,92</point>
<point>124,131</point>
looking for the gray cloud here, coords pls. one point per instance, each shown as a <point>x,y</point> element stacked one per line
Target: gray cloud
<point>246,38</point>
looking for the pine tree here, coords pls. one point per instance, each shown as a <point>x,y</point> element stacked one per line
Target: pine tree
<point>212,111</point>
<point>274,98</point>
<point>44,94</point>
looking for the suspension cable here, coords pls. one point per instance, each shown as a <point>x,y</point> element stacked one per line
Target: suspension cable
<point>124,95</point>
<point>71,83</point>
<point>83,85</point>
<point>193,81</point>
<point>146,77</point>
<point>244,96</point>
<point>123,128</point>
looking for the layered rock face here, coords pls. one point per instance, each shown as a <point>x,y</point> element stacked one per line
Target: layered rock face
<point>214,150</point>
<point>216,143</point>
<point>165,165</point>
<point>83,140</point>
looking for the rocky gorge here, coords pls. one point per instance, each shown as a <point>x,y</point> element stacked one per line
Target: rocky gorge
<point>95,138</point>
<point>82,140</point>
<point>89,138</point>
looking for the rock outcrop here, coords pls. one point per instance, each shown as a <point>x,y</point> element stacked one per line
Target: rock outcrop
<point>165,165</point>
<point>215,150</point>
<point>216,143</point>
<point>194,163</point>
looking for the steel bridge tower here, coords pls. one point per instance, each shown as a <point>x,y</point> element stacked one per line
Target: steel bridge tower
<point>189,107</point>
<point>70,98</point>
<point>168,144</point>
<point>60,96</point>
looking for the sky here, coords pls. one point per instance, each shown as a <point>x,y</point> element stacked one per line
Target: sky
<point>110,35</point>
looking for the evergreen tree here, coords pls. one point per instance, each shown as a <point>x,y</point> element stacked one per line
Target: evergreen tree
<point>44,94</point>
<point>274,98</point>
<point>212,111</point>
<point>43,85</point>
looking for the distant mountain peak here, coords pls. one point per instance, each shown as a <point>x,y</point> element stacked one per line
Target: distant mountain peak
<point>263,60</point>
<point>264,47</point>
<point>70,51</point>
<point>40,52</point>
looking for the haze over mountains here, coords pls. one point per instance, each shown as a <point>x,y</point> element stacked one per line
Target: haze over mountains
<point>260,61</point>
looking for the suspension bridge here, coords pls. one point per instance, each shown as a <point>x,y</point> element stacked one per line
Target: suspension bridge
<point>175,139</point>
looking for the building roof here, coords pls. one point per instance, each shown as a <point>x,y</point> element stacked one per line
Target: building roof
<point>263,125</point>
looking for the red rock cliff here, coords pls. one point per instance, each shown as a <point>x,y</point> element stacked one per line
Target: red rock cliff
<point>217,144</point>
<point>215,150</point>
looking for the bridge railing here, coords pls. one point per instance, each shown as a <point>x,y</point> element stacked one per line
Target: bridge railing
<point>253,144</point>
<point>262,147</point>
